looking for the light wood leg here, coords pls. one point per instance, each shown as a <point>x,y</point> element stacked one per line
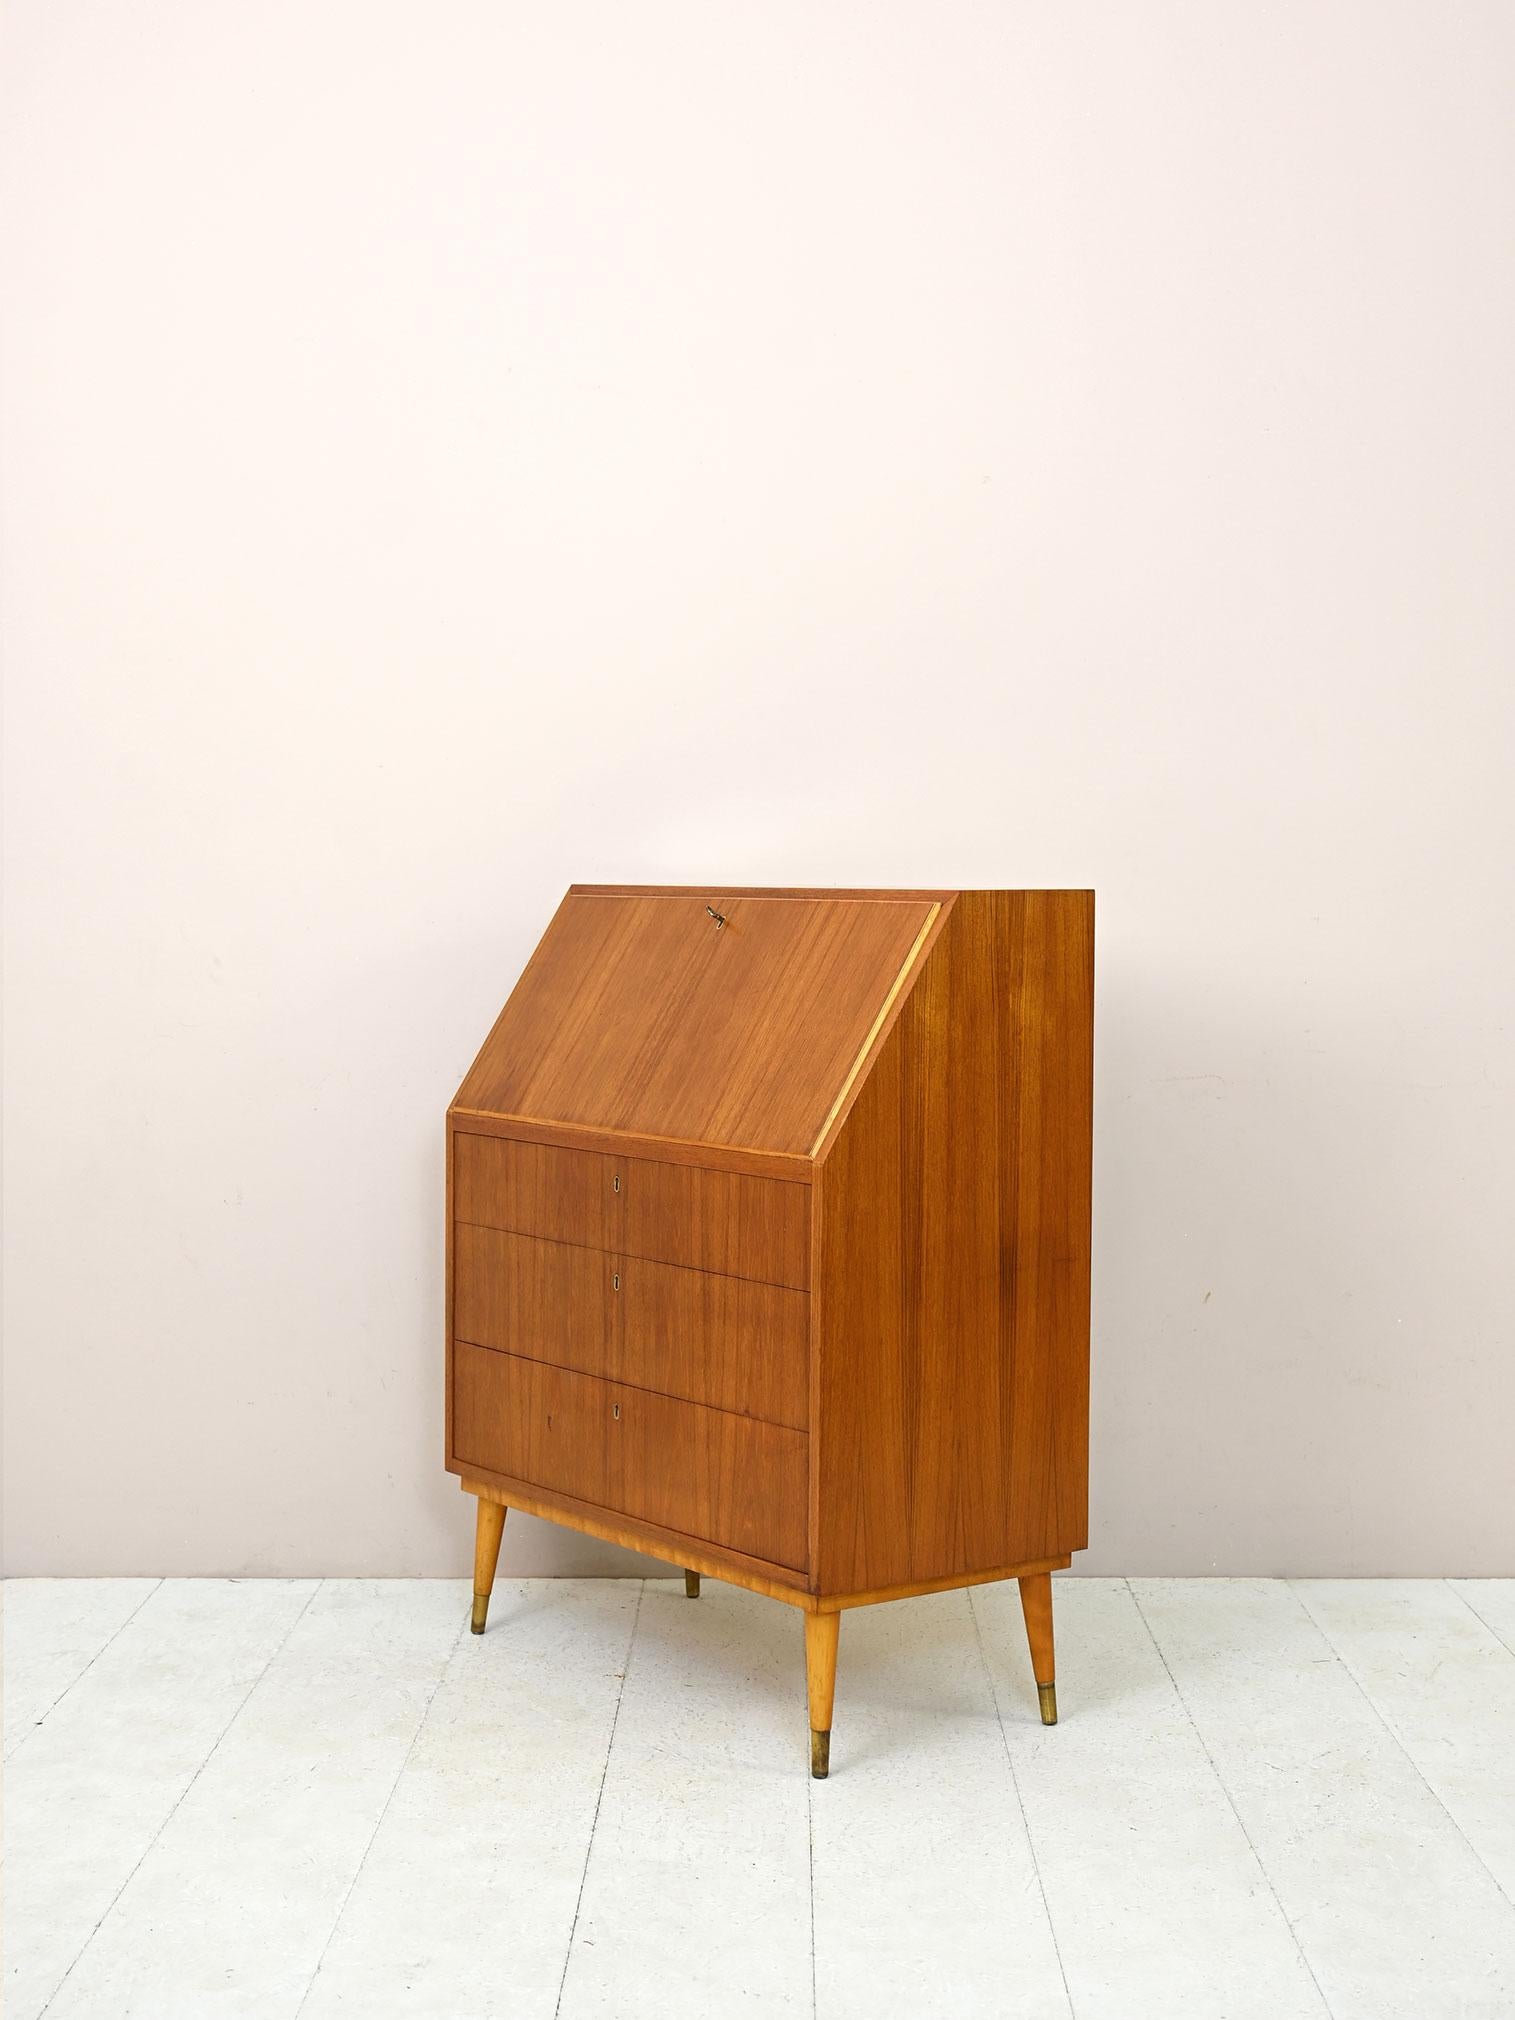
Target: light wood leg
<point>821,1631</point>
<point>691,1585</point>
<point>1036,1604</point>
<point>486,1555</point>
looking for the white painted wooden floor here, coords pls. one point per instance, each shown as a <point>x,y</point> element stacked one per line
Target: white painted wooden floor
<point>300,1799</point>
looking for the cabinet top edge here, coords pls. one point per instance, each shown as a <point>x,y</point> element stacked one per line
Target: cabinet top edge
<point>817,893</point>
<point>821,892</point>
<point>794,1166</point>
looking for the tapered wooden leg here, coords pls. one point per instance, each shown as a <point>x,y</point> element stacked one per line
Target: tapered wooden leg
<point>1036,1604</point>
<point>486,1555</point>
<point>691,1585</point>
<point>821,1630</point>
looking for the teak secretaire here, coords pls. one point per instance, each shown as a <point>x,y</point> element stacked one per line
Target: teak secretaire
<point>768,1245</point>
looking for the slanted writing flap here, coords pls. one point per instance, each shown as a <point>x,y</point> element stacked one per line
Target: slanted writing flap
<point>638,1012</point>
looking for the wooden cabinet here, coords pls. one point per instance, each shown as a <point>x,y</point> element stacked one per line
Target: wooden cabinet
<point>768,1245</point>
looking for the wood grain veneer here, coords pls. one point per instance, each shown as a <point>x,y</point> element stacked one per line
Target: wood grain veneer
<point>768,1242</point>
<point>533,1188</point>
<point>716,1220</point>
<point>950,1390</point>
<point>705,1219</point>
<point>707,1473</point>
<point>725,1341</point>
<point>640,1013</point>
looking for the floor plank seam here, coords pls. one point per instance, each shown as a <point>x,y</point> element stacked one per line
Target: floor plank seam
<point>180,1798</point>
<point>1320,1793</point>
<point>594,1821</point>
<point>16,1745</point>
<point>1020,1801</point>
<point>1221,1784</point>
<point>1477,1615</point>
<point>415,1737</point>
<point>1357,1685</point>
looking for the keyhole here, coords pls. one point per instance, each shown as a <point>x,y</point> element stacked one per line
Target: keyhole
<point>615,1281</point>
<point>615,1183</point>
<point>615,1410</point>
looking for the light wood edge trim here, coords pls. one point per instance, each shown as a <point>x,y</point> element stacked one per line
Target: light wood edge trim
<point>838,1602</point>
<point>692,1557</point>
<point>789,1166</point>
<point>665,1544</point>
<point>804,893</point>
<point>928,926</point>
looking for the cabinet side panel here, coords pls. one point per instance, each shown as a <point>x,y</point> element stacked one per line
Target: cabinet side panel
<point>1049,1146</point>
<point>952,1280</point>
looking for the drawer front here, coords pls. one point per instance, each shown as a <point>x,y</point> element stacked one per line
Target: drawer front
<point>727,1341</point>
<point>529,1421</point>
<point>723,1341</point>
<point>548,1300</point>
<point>724,1221</point>
<point>533,1188</point>
<point>708,1474</point>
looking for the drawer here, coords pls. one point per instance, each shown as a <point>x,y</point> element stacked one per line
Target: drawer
<point>727,1341</point>
<point>548,1300</point>
<point>707,1474</point>
<point>529,1421</point>
<point>533,1188</point>
<point>724,1341</point>
<point>725,1221</point>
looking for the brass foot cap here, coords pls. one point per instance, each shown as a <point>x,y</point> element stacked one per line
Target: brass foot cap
<point>480,1611</point>
<point>691,1585</point>
<point>1047,1697</point>
<point>820,1754</point>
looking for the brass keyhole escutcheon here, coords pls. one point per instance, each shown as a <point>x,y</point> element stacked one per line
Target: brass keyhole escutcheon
<point>615,1183</point>
<point>615,1410</point>
<point>615,1281</point>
